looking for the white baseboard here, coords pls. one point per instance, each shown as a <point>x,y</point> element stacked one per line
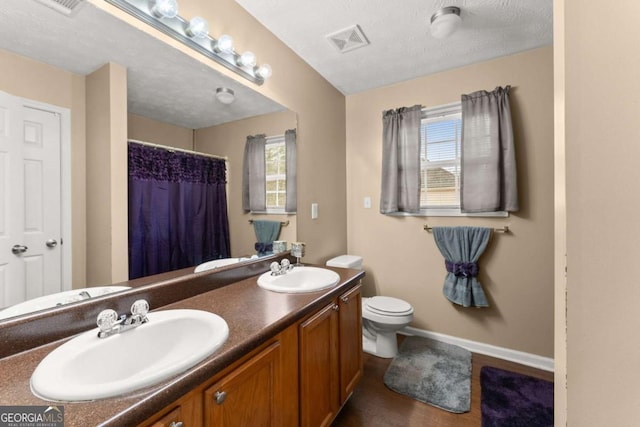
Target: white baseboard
<point>521,357</point>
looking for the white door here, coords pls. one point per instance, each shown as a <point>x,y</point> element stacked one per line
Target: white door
<point>30,204</point>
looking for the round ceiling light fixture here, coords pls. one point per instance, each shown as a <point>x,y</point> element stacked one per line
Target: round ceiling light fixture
<point>445,22</point>
<point>225,95</point>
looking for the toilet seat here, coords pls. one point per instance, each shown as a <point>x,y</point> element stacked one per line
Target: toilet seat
<point>388,306</point>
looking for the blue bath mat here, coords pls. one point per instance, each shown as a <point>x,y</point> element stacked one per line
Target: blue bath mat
<point>432,372</point>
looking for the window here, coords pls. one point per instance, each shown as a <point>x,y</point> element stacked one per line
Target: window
<point>440,165</point>
<point>440,131</point>
<point>276,174</point>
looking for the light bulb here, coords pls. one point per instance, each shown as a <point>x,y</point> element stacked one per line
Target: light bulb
<point>224,44</point>
<point>165,8</point>
<point>264,71</point>
<point>198,27</point>
<point>247,59</point>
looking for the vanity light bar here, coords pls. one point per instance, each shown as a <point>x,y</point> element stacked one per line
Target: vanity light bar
<point>177,29</point>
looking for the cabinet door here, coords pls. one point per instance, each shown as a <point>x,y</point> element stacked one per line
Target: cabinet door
<point>172,419</point>
<point>319,368</point>
<point>185,412</point>
<point>350,312</point>
<point>248,396</point>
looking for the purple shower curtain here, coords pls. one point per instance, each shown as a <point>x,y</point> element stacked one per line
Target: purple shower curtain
<point>177,210</point>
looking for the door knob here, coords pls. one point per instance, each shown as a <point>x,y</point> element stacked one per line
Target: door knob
<point>51,243</point>
<point>19,249</point>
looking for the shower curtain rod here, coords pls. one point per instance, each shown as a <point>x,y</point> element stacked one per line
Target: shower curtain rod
<point>282,223</point>
<point>504,229</point>
<point>172,149</point>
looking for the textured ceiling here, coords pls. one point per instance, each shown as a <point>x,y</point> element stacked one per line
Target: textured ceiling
<point>401,47</point>
<point>163,83</point>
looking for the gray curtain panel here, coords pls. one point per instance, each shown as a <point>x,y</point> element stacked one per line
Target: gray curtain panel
<point>461,248</point>
<point>401,160</point>
<point>253,175</point>
<point>291,204</point>
<point>488,182</point>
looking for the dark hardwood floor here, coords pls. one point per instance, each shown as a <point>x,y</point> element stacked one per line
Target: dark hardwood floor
<point>373,404</point>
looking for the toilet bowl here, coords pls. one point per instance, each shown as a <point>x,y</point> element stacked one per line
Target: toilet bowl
<point>382,316</point>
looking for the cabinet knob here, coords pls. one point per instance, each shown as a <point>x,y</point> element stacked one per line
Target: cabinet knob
<point>220,396</point>
<point>176,424</point>
<point>345,299</point>
<point>336,307</point>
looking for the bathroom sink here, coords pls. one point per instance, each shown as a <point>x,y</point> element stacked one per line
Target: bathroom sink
<point>89,368</point>
<point>59,298</point>
<point>217,263</point>
<point>299,279</point>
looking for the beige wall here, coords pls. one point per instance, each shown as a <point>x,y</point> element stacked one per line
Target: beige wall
<point>149,130</point>
<point>228,140</point>
<point>602,140</point>
<point>37,81</point>
<point>402,260</point>
<point>107,230</point>
<point>560,219</point>
<point>321,117</point>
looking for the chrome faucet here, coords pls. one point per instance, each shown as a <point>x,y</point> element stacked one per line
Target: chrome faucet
<point>280,269</point>
<point>110,324</point>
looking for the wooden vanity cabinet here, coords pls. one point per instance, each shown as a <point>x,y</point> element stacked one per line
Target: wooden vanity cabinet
<point>302,376</point>
<point>330,358</point>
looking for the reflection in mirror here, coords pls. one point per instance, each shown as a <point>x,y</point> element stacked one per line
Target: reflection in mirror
<point>168,99</point>
<point>59,299</point>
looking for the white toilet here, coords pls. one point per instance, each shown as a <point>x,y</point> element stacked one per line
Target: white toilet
<point>382,316</point>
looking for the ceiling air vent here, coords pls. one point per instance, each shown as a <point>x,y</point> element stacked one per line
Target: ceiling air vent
<point>66,7</point>
<point>348,39</point>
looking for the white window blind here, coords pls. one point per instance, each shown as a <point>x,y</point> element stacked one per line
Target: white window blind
<point>440,158</point>
<point>276,174</point>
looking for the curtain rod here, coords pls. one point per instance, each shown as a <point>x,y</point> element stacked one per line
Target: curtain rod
<point>172,149</point>
<point>504,229</point>
<point>282,223</point>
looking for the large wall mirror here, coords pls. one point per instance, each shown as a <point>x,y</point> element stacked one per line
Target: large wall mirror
<point>50,59</point>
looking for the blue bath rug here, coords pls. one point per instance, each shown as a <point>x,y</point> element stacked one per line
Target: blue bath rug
<point>432,372</point>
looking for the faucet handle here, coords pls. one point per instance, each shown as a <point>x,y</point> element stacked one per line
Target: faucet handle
<point>274,267</point>
<point>285,264</point>
<point>106,319</point>
<point>140,307</point>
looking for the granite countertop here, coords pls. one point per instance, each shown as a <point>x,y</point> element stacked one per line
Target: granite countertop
<point>253,314</point>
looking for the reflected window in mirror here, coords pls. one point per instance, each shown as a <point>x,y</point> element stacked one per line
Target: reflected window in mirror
<point>275,174</point>
<point>269,174</point>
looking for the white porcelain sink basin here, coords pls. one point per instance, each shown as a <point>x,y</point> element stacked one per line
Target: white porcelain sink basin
<point>300,279</point>
<point>216,263</point>
<point>60,298</point>
<point>89,368</point>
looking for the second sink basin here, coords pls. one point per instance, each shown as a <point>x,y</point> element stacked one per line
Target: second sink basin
<point>300,279</point>
<point>89,368</point>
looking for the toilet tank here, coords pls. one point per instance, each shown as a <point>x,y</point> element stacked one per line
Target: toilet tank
<point>346,261</point>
